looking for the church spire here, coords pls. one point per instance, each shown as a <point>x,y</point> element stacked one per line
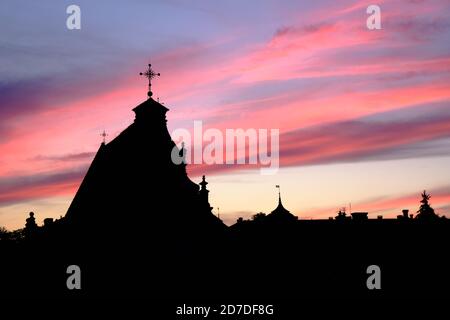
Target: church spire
<point>279,194</point>
<point>203,183</point>
<point>204,193</point>
<point>280,212</point>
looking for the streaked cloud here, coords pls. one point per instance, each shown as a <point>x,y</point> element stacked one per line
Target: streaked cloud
<point>338,92</point>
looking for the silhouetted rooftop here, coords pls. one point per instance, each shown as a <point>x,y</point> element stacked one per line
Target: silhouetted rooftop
<point>281,212</point>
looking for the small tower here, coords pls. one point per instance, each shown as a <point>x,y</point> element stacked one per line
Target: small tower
<point>281,214</point>
<point>204,193</point>
<point>30,226</point>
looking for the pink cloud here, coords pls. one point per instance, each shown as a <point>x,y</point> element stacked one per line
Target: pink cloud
<point>330,46</point>
<point>390,207</point>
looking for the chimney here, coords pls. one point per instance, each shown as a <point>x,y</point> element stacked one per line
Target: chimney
<point>48,222</point>
<point>405,213</point>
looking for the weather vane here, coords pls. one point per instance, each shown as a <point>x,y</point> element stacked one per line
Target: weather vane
<point>149,74</point>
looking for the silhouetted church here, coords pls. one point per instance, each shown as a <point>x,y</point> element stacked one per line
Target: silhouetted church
<point>133,184</point>
<point>138,226</point>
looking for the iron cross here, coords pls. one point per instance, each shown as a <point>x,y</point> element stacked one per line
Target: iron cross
<point>150,74</point>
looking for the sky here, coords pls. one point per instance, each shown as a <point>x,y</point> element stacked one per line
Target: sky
<point>363,115</point>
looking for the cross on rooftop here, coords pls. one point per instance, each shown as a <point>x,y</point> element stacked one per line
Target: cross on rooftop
<point>104,135</point>
<point>150,74</point>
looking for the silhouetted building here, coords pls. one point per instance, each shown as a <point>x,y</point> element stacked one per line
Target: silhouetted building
<point>405,215</point>
<point>281,214</point>
<point>133,184</point>
<point>359,216</point>
<point>48,222</point>
<point>342,216</point>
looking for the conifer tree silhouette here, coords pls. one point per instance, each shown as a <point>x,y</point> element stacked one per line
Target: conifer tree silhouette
<point>426,212</point>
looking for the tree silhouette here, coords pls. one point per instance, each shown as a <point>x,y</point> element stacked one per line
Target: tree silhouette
<point>259,216</point>
<point>3,233</point>
<point>342,215</point>
<point>426,212</point>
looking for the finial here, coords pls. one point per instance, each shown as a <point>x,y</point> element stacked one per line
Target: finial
<point>150,74</point>
<point>279,193</point>
<point>203,183</point>
<point>104,135</point>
